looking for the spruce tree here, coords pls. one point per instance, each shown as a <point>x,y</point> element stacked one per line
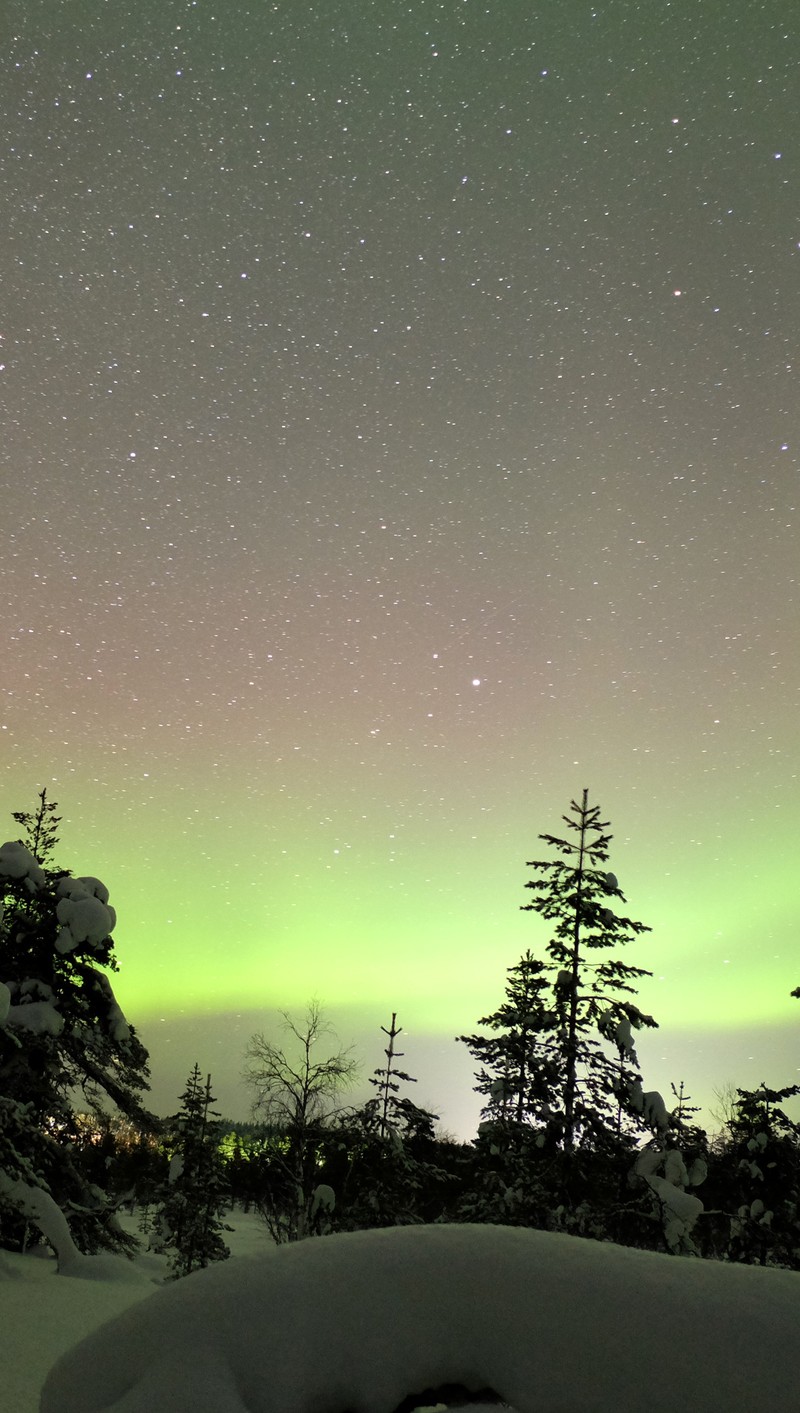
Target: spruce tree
<point>391,1173</point>
<point>518,1072</point>
<point>62,1035</point>
<point>592,989</point>
<point>189,1218</point>
<point>511,1177</point>
<point>40,830</point>
<point>392,1113</point>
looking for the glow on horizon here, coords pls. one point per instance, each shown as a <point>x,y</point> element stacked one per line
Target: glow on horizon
<point>426,923</point>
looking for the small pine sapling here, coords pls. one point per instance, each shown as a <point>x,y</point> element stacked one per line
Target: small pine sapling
<point>188,1221</point>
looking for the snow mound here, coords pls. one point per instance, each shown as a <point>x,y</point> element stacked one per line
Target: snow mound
<point>360,1320</point>
<point>103,1266</point>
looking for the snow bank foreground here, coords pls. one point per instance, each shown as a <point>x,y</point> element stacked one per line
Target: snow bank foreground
<point>553,1324</point>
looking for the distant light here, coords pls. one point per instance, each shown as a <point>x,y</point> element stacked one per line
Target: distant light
<point>476,681</point>
<point>677,293</point>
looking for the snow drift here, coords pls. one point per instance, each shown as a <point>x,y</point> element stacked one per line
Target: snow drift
<point>553,1324</point>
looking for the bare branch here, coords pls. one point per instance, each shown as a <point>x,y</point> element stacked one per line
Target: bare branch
<point>299,1089</point>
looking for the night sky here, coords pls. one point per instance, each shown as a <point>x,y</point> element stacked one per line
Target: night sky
<point>400,433</point>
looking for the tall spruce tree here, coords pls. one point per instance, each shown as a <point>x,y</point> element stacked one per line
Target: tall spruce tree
<point>592,989</point>
<point>189,1218</point>
<point>63,1038</point>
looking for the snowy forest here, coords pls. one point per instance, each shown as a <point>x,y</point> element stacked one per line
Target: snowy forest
<point>571,1140</point>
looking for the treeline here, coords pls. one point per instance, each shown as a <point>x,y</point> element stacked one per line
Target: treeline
<point>570,1138</point>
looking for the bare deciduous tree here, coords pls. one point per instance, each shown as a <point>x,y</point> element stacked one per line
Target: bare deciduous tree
<point>295,1091</point>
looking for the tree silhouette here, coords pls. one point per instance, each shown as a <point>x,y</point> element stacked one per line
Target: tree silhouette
<point>295,1092</point>
<point>62,1035</point>
<point>575,893</point>
<point>189,1221</point>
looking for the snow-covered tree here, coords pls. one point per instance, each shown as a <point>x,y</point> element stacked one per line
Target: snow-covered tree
<point>188,1221</point>
<point>63,1037</point>
<point>295,1093</point>
<point>757,1172</point>
<point>592,990</point>
<point>672,1165</point>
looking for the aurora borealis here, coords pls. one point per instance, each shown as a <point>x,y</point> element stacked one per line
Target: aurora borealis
<point>400,434</point>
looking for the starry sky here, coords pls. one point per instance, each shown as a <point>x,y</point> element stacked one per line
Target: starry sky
<point>400,433</point>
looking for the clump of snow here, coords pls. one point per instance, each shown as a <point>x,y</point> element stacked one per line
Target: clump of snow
<point>87,885</point>
<point>679,1209</point>
<point>84,912</point>
<point>18,862</point>
<point>618,1029</point>
<point>675,1168</point>
<point>361,1320</point>
<point>648,1162</point>
<point>117,1026</point>
<point>323,1200</point>
<point>698,1172</point>
<point>38,1205</point>
<point>35,1011</point>
<point>650,1104</point>
<point>39,1017</point>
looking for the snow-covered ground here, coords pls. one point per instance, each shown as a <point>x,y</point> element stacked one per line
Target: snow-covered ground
<point>552,1323</point>
<point>43,1314</point>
